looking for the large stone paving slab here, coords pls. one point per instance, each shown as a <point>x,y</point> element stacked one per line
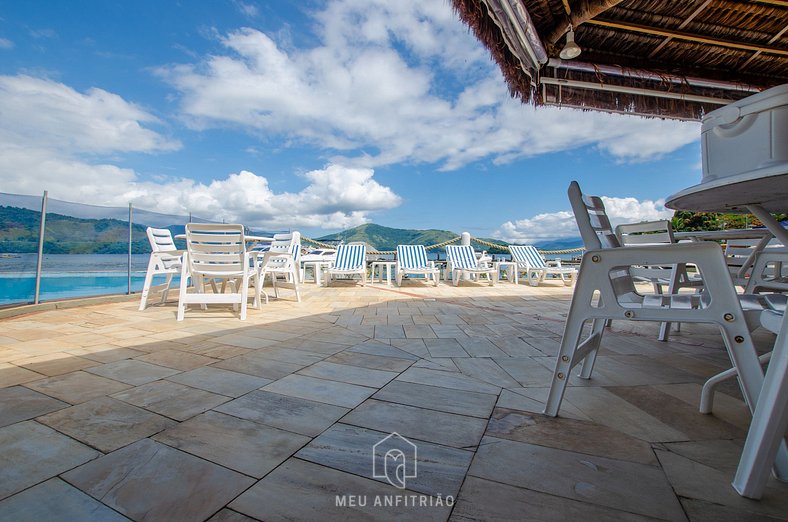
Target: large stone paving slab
<point>259,366</point>
<point>440,469</point>
<point>281,411</point>
<point>151,481</point>
<point>374,362</point>
<point>217,380</point>
<point>449,429</point>
<point>300,490</point>
<point>19,404</point>
<point>171,399</point>
<point>132,372</point>
<point>349,374</point>
<point>77,387</point>
<point>321,390</point>
<point>474,404</point>
<point>106,424</point>
<point>32,453</point>
<point>238,444</point>
<point>569,434</point>
<point>11,375</point>
<point>56,500</point>
<point>447,380</point>
<point>482,499</point>
<point>627,486</point>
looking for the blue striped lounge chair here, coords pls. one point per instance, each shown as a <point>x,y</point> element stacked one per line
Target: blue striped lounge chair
<point>412,259</point>
<point>532,264</point>
<point>462,260</point>
<point>350,260</point>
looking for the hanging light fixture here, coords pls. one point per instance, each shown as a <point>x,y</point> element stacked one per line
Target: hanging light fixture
<point>571,50</point>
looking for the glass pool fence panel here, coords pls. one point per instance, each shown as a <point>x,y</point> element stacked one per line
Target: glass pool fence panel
<point>88,250</point>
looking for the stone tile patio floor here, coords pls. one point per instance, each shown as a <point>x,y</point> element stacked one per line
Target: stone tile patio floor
<point>107,413</point>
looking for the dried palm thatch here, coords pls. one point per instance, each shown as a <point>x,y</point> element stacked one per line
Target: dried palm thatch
<point>660,58</point>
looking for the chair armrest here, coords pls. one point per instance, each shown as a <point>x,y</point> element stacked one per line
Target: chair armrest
<point>554,263</point>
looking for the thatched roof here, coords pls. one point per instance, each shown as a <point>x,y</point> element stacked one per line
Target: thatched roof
<point>665,58</point>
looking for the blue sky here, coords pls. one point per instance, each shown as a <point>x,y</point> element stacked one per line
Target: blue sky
<point>316,116</point>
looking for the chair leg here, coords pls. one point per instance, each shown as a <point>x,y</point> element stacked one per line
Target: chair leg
<point>769,422</point>
<point>563,365</point>
<point>594,341</point>
<point>166,290</point>
<point>146,285</point>
<point>182,291</point>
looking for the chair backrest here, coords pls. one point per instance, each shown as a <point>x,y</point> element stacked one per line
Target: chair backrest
<point>461,256</point>
<point>645,233</point>
<point>216,248</point>
<point>283,244</point>
<point>527,255</point>
<point>412,256</point>
<point>351,257</point>
<point>592,219</point>
<point>160,240</point>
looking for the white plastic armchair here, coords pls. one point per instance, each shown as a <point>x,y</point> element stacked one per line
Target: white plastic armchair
<point>605,290</point>
<point>412,259</point>
<point>281,260</point>
<point>461,260</point>
<point>214,252</point>
<point>350,259</point>
<point>165,259</point>
<point>533,265</point>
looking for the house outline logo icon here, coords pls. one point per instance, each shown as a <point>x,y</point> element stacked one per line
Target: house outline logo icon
<point>394,459</point>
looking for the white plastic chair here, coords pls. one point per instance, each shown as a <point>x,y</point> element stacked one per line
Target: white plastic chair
<point>350,260</point>
<point>461,260</point>
<point>412,259</point>
<point>165,259</point>
<point>533,265</point>
<point>214,252</point>
<point>605,290</point>
<point>670,279</point>
<point>281,259</point>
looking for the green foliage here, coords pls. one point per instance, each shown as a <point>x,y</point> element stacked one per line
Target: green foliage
<point>67,234</point>
<point>684,221</point>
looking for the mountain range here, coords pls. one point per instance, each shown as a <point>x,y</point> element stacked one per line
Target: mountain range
<point>71,235</point>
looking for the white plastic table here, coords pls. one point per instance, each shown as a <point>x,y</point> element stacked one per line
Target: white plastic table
<point>379,266</point>
<point>759,192</point>
<point>511,270</point>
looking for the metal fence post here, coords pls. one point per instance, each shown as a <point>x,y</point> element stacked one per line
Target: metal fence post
<point>129,263</point>
<point>41,228</point>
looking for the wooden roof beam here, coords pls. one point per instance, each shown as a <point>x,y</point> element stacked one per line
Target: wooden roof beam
<point>684,24</point>
<point>771,41</point>
<point>688,37</point>
<point>581,11</point>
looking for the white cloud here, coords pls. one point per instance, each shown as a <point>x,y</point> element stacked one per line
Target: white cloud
<point>558,225</point>
<point>51,115</point>
<point>50,136</point>
<point>381,88</point>
<point>5,43</point>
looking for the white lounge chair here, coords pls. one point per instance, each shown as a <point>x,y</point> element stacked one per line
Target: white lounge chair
<point>165,260</point>
<point>461,260</point>
<point>216,252</point>
<point>350,260</point>
<point>281,259</point>
<point>531,262</point>
<point>412,259</point>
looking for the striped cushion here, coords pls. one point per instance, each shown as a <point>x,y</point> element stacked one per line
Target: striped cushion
<point>412,257</point>
<point>527,255</point>
<point>462,256</point>
<point>350,257</point>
